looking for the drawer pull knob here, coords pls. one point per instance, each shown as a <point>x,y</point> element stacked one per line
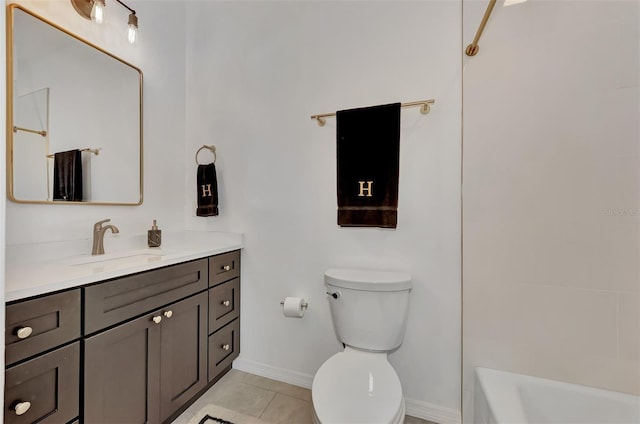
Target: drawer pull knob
<point>22,407</point>
<point>226,267</point>
<point>24,332</point>
<point>226,303</point>
<point>157,319</point>
<point>168,314</point>
<point>225,347</point>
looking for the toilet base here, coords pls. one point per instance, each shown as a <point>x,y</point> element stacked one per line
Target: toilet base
<point>399,418</point>
<point>357,387</point>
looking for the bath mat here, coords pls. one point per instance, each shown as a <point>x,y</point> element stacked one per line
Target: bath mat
<point>208,418</point>
<point>214,414</point>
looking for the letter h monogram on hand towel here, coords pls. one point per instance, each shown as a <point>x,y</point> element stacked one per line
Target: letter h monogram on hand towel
<point>206,190</point>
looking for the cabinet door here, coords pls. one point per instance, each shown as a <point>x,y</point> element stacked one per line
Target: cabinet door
<point>121,374</point>
<point>44,389</point>
<point>183,354</point>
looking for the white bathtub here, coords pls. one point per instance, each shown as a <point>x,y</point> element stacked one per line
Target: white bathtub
<point>506,398</point>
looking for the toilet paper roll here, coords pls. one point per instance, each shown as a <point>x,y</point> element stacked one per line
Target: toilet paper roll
<point>293,307</point>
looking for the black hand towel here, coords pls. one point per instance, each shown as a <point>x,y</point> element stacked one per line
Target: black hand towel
<point>368,159</point>
<point>67,176</point>
<point>207,190</point>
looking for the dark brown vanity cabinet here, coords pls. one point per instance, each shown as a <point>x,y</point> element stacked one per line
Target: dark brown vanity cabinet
<point>135,349</point>
<point>144,370</point>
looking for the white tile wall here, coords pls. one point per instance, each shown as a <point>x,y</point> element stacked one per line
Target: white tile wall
<point>551,193</point>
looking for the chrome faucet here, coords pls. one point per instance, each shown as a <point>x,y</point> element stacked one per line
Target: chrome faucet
<point>98,236</point>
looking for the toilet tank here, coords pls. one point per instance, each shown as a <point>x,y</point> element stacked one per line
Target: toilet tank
<point>369,308</point>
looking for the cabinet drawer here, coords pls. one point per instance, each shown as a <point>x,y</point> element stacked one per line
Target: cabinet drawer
<point>49,383</point>
<point>224,347</point>
<point>224,304</point>
<point>53,320</point>
<point>224,267</point>
<point>118,300</point>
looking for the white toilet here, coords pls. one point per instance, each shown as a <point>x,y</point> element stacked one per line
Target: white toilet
<point>358,385</point>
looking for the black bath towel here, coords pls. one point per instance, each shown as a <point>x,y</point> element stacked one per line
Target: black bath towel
<point>67,176</point>
<point>207,190</point>
<point>368,159</point>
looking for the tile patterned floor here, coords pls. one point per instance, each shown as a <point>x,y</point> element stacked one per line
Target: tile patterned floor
<point>249,399</point>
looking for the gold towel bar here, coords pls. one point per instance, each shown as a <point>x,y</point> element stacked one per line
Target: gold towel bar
<point>42,133</point>
<point>94,151</point>
<point>424,108</point>
<point>472,49</point>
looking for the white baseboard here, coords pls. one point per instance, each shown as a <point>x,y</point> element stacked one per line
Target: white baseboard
<point>274,373</point>
<point>415,408</point>
<point>430,412</point>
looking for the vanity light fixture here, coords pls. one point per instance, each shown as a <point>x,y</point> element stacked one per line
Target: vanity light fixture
<point>94,10</point>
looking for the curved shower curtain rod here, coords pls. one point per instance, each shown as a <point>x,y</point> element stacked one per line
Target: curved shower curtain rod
<point>472,49</point>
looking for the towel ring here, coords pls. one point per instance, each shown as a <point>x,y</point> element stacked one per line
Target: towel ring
<point>212,148</point>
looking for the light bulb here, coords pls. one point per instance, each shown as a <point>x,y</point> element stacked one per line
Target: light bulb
<point>132,34</point>
<point>133,28</point>
<point>97,11</point>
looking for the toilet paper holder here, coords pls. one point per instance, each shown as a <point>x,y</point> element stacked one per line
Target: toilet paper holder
<point>304,305</point>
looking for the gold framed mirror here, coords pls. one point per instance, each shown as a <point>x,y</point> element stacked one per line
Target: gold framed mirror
<point>74,118</point>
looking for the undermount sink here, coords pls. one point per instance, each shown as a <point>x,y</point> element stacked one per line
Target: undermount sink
<point>118,259</point>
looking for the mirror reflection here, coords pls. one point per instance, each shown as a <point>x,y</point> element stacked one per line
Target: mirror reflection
<point>76,118</point>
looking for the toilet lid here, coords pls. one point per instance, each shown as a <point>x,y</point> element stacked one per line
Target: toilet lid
<point>357,387</point>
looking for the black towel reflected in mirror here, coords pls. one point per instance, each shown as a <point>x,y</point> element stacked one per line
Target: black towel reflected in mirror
<point>67,176</point>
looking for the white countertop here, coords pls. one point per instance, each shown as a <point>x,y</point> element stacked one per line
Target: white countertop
<point>39,269</point>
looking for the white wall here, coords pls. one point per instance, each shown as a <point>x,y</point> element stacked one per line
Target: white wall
<point>160,54</point>
<point>256,71</point>
<point>551,187</point>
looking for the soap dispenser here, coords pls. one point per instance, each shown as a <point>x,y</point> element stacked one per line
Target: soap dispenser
<point>154,236</point>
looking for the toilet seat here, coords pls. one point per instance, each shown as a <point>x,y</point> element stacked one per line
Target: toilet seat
<point>357,387</point>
